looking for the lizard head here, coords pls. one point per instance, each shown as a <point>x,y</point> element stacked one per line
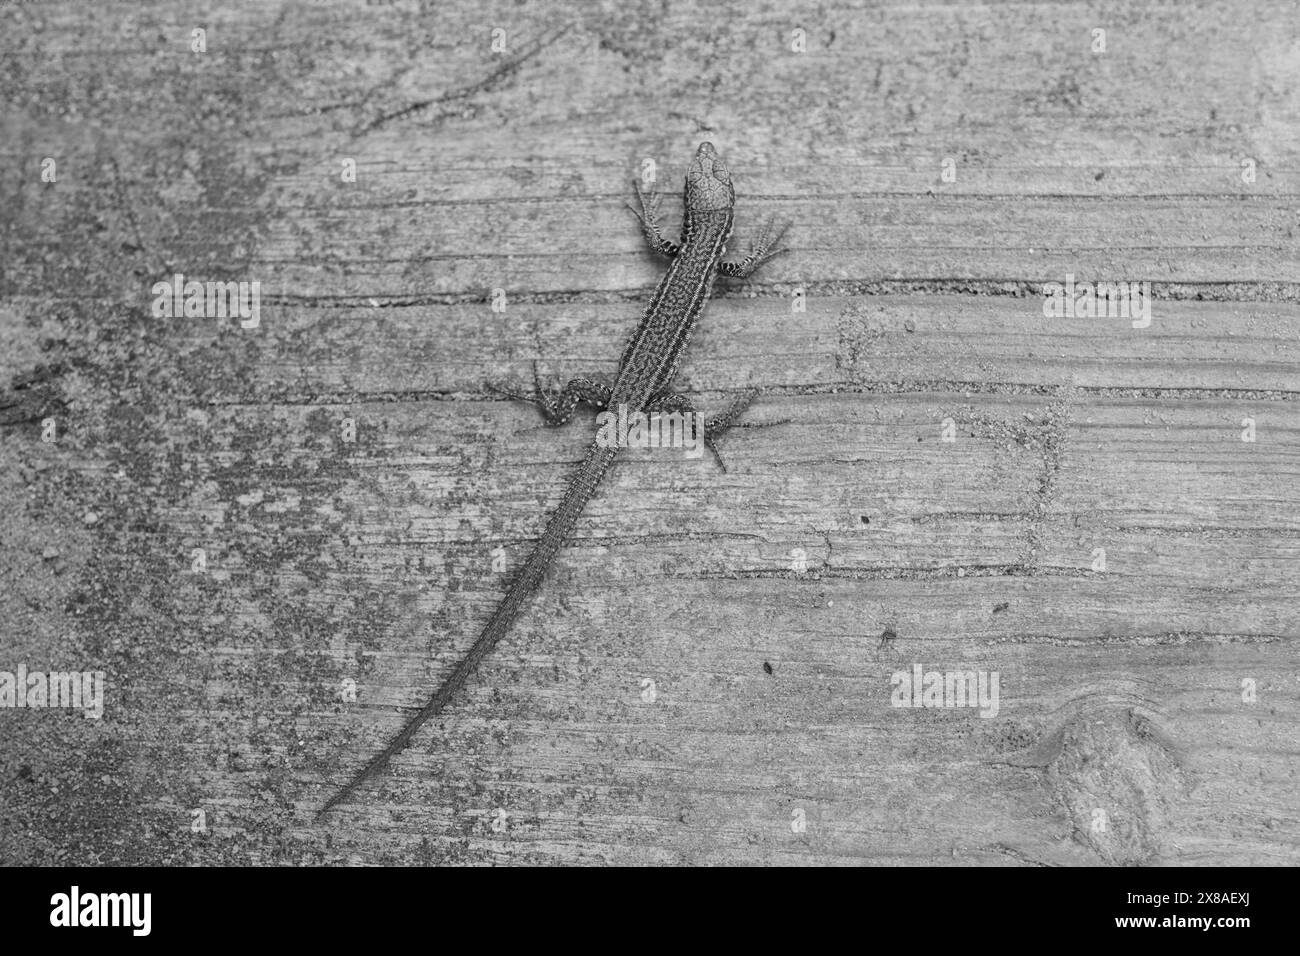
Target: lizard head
<point>708,184</point>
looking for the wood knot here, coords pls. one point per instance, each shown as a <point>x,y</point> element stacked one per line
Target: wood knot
<point>1117,774</point>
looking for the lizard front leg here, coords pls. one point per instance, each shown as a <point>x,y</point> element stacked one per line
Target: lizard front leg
<point>558,409</point>
<point>649,216</point>
<point>759,253</point>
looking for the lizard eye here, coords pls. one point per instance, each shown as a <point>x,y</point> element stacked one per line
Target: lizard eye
<point>724,249</point>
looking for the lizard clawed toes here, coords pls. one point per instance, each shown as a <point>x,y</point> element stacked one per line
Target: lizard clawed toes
<point>775,421</point>
<point>769,245</point>
<point>708,443</point>
<point>650,203</point>
<point>540,396</point>
<point>506,394</point>
<point>715,428</point>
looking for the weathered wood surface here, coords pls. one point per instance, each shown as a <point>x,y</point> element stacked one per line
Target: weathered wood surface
<point>372,561</point>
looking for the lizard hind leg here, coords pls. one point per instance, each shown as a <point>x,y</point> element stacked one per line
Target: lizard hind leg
<point>557,409</point>
<point>714,428</point>
<point>584,390</point>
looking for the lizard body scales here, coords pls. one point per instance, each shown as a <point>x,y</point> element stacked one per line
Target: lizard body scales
<point>643,384</point>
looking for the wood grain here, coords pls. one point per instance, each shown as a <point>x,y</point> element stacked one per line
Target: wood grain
<point>770,605</point>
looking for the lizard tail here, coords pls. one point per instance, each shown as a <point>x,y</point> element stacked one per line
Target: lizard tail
<point>581,488</point>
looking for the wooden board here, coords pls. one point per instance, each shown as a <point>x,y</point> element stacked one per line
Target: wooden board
<point>936,471</point>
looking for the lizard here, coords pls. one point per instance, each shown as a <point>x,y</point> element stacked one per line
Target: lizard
<point>643,384</point>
